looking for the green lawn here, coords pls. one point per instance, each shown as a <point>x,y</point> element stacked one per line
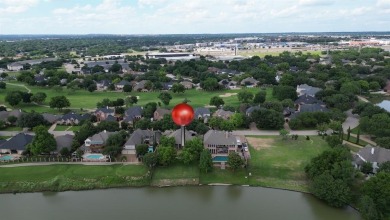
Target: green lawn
<point>279,163</point>
<point>70,177</point>
<point>353,140</point>
<point>87,100</point>
<point>12,128</point>
<point>66,128</point>
<point>177,174</point>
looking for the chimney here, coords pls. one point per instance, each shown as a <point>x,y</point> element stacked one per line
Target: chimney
<point>105,131</point>
<point>372,150</point>
<point>226,134</point>
<point>107,106</point>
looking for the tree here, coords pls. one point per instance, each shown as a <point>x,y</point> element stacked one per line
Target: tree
<point>245,96</point>
<point>65,152</point>
<point>3,85</point>
<point>43,141</point>
<point>368,209</point>
<point>141,149</point>
<point>114,144</point>
<point>30,120</point>
<point>150,160</point>
<point>260,97</point>
<point>267,119</point>
<point>335,126</point>
<point>127,88</point>
<point>108,126</point>
<point>210,84</point>
<point>334,141</point>
<point>39,97</point>
<point>166,141</point>
<point>205,162</point>
<point>216,101</point>
<point>166,155</point>
<point>12,119</point>
<point>165,98</point>
<point>322,128</point>
<point>378,189</point>
<point>130,100</point>
<point>284,92</point>
<point>349,133</point>
<point>366,167</point>
<point>13,98</point>
<point>59,102</point>
<point>358,136</point>
<point>234,161</point>
<point>178,88</point>
<point>333,191</point>
<point>92,87</point>
<point>384,167</point>
<point>226,126</point>
<point>284,133</point>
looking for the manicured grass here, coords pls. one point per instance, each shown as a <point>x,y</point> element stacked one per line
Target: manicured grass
<point>353,140</point>
<point>70,177</point>
<point>279,163</point>
<point>12,128</point>
<point>376,98</point>
<point>66,128</point>
<point>87,100</point>
<point>177,174</point>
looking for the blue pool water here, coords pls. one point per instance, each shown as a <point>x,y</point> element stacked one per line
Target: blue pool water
<point>220,159</point>
<point>94,156</point>
<point>6,158</point>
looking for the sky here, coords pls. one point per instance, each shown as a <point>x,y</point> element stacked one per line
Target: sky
<point>191,16</point>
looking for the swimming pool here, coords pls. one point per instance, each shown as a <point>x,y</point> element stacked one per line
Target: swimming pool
<point>94,156</point>
<point>220,159</point>
<point>6,158</point>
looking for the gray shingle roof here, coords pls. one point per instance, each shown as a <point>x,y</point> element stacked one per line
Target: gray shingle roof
<point>123,82</point>
<point>252,109</point>
<point>201,112</point>
<point>64,141</point>
<point>307,99</point>
<point>132,112</point>
<point>313,108</point>
<point>105,110</point>
<point>110,118</point>
<point>309,90</point>
<point>372,154</point>
<point>101,137</point>
<point>177,135</point>
<point>50,117</point>
<point>18,142</point>
<point>219,138</point>
<point>139,135</point>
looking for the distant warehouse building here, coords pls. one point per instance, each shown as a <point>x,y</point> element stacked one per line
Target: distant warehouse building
<point>171,56</point>
<point>16,66</point>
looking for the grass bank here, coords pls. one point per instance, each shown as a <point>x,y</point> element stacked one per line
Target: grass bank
<point>82,99</point>
<point>71,177</point>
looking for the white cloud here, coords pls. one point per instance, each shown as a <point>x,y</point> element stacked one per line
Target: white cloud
<point>383,3</point>
<point>16,6</point>
<point>315,2</point>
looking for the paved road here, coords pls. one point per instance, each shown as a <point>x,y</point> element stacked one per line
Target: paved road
<point>351,121</point>
<point>55,133</point>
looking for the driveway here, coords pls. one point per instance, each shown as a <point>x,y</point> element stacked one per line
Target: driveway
<point>351,121</point>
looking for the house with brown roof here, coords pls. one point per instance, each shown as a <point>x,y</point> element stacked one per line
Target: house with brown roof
<point>187,84</point>
<point>159,113</point>
<point>102,113</point>
<point>95,143</point>
<point>223,114</point>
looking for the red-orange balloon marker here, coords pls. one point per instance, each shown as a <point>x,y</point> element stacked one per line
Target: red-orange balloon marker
<point>182,115</point>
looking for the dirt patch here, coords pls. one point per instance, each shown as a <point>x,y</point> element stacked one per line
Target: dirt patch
<point>227,95</point>
<point>260,143</point>
<point>175,182</point>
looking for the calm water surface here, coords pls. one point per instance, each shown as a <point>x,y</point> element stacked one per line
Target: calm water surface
<point>187,203</point>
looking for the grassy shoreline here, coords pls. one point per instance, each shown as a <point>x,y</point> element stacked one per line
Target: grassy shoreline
<point>280,166</point>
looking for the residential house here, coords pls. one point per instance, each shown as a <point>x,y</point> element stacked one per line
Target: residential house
<point>188,135</point>
<point>202,113</point>
<point>141,137</point>
<point>159,113</point>
<point>103,84</point>
<point>17,144</point>
<point>121,84</point>
<point>305,89</point>
<point>228,71</point>
<point>5,114</point>
<point>220,144</point>
<point>187,84</point>
<point>51,118</point>
<point>111,118</point>
<point>63,141</point>
<point>102,113</point>
<point>72,118</point>
<point>249,82</point>
<point>223,114</point>
<point>374,155</point>
<point>213,69</point>
<point>140,86</point>
<point>96,143</point>
<point>307,99</point>
<point>228,84</point>
<point>251,109</point>
<point>309,108</point>
<point>167,85</point>
<point>133,114</point>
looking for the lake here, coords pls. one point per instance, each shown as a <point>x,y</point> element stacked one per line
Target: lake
<point>172,203</point>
